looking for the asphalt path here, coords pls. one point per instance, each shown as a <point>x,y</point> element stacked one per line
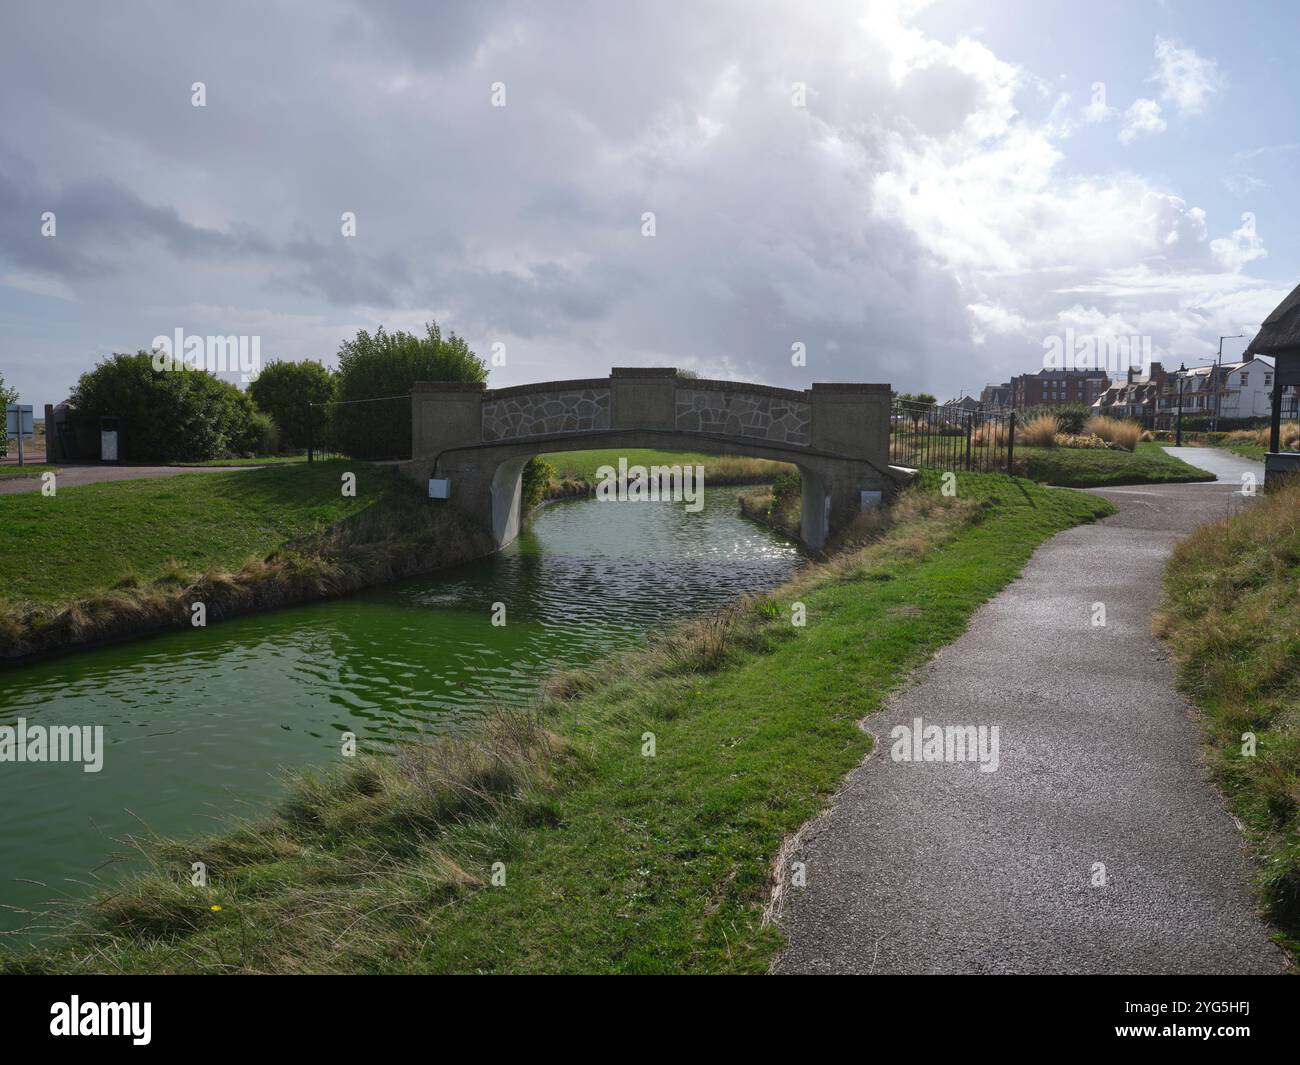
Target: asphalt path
<point>1099,844</point>
<point>73,476</point>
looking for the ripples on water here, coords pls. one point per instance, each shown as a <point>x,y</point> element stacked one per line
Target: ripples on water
<point>198,723</point>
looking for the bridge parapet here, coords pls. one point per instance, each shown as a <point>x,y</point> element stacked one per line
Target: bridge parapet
<point>558,407</point>
<point>831,417</point>
<point>777,414</point>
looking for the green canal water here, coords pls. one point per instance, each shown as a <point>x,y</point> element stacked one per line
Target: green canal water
<point>200,725</point>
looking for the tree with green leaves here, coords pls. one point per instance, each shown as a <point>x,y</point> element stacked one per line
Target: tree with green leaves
<point>383,366</point>
<point>169,415</point>
<point>283,390</point>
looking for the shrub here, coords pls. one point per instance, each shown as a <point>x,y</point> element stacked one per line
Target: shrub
<point>1288,437</point>
<point>990,434</point>
<point>1040,432</point>
<point>1080,440</point>
<point>261,436</point>
<point>1117,433</point>
<point>283,390</point>
<point>165,415</point>
<point>787,491</point>
<point>1197,422</point>
<point>536,477</point>
<point>386,365</point>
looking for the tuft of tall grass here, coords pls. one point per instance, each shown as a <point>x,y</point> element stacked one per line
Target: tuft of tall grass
<point>990,434</point>
<point>1040,432</point>
<point>351,864</point>
<point>1117,433</point>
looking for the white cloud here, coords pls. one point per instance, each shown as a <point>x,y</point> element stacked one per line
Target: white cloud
<point>910,224</point>
<point>1242,247</point>
<point>1186,79</point>
<point>1142,117</point>
<point>996,319</point>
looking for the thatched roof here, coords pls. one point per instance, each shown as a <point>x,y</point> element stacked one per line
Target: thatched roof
<point>1281,329</point>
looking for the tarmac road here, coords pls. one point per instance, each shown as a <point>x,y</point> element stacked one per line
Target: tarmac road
<point>936,867</point>
<point>73,476</point>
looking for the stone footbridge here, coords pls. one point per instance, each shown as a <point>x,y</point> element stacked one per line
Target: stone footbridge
<point>480,439</point>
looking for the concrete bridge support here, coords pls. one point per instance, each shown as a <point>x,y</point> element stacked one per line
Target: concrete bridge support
<point>479,440</point>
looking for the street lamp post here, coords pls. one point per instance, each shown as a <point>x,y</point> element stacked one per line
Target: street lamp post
<point>1218,382</point>
<point>1182,374</point>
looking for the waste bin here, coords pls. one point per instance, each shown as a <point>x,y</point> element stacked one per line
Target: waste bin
<point>108,440</point>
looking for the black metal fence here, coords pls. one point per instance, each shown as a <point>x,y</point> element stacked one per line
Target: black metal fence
<point>376,430</point>
<point>925,436</point>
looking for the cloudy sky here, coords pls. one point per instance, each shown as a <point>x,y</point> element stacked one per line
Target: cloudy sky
<point>956,183</point>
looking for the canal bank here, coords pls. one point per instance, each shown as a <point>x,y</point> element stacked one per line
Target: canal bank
<point>200,723</point>
<point>103,563</point>
<point>628,821</point>
<point>91,565</point>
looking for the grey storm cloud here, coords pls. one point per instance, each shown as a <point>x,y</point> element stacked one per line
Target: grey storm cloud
<point>522,222</point>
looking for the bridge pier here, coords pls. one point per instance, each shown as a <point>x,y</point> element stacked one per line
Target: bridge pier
<point>480,440</point>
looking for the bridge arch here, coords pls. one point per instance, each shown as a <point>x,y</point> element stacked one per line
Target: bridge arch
<point>837,435</point>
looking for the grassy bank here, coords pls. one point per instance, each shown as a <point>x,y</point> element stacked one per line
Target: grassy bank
<point>1094,467</point>
<point>1231,610</point>
<point>99,561</point>
<point>1245,449</point>
<point>581,466</point>
<point>611,858</point>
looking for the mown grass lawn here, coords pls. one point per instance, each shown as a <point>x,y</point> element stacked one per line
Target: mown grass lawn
<point>88,539</point>
<point>259,460</point>
<point>1095,467</point>
<point>611,860</point>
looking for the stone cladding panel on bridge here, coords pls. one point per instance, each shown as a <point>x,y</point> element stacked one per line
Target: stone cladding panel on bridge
<point>525,414</point>
<point>775,416</point>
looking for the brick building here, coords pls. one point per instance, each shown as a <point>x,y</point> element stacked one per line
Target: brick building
<point>1057,388</point>
<point>996,396</point>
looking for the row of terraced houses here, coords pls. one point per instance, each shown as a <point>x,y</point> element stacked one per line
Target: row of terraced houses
<point>1231,390</point>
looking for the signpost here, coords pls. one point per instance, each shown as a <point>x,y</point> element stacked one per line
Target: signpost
<point>18,422</point>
